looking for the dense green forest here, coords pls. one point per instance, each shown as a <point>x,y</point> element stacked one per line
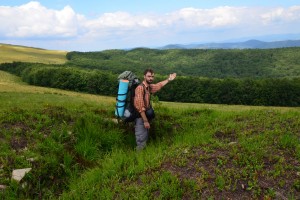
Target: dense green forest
<point>243,91</point>
<point>212,63</point>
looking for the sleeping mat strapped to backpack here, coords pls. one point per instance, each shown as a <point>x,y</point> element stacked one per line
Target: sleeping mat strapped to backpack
<point>124,107</point>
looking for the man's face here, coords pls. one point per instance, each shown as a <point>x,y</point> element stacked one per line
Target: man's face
<point>149,77</point>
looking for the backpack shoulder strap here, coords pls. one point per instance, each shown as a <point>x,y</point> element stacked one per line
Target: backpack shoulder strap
<point>145,94</point>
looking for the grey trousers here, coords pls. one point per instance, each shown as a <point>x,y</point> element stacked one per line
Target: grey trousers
<point>141,134</point>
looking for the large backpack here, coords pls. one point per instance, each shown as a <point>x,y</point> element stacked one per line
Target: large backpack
<point>125,109</point>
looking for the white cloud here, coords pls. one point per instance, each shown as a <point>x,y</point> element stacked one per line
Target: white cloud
<point>216,17</point>
<point>278,15</point>
<point>33,20</point>
<point>120,21</point>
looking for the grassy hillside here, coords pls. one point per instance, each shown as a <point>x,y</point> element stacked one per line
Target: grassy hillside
<point>10,53</point>
<point>195,151</point>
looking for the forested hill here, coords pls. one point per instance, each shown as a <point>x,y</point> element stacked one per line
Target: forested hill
<point>250,77</point>
<point>213,63</point>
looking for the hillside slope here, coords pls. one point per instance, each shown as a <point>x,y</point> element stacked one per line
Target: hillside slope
<point>14,53</point>
<point>195,151</point>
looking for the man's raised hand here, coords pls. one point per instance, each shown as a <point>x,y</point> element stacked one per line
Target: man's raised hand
<point>172,76</point>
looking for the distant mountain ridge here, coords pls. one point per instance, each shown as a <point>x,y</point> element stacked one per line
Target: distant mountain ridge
<point>249,44</point>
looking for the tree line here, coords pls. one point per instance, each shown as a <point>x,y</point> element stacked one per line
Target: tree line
<point>243,91</point>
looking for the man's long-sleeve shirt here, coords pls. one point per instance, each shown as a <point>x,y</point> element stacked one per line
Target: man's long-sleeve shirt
<point>142,95</point>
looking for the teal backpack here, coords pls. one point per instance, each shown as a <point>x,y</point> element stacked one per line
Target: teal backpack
<point>125,109</point>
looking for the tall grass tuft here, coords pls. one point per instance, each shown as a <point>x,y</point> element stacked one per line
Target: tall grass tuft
<point>95,136</point>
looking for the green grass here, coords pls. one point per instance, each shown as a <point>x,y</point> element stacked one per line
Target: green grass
<point>195,151</point>
<point>14,53</point>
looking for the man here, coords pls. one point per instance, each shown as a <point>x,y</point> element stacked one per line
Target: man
<point>142,104</point>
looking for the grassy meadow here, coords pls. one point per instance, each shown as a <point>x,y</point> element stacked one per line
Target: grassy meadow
<point>195,151</point>
<point>10,53</point>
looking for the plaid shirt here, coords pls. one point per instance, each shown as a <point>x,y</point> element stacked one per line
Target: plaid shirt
<point>139,103</point>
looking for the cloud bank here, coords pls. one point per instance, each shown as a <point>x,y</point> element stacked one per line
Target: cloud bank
<point>33,21</point>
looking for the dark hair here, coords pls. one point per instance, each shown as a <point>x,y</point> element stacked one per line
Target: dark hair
<point>148,70</point>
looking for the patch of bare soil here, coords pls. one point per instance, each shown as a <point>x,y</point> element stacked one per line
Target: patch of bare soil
<point>17,127</point>
<point>18,140</point>
<point>228,136</point>
<point>18,143</point>
<point>206,167</point>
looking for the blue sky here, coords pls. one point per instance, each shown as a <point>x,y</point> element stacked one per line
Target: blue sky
<point>95,25</point>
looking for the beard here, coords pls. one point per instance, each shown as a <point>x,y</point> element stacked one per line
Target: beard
<point>149,82</point>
